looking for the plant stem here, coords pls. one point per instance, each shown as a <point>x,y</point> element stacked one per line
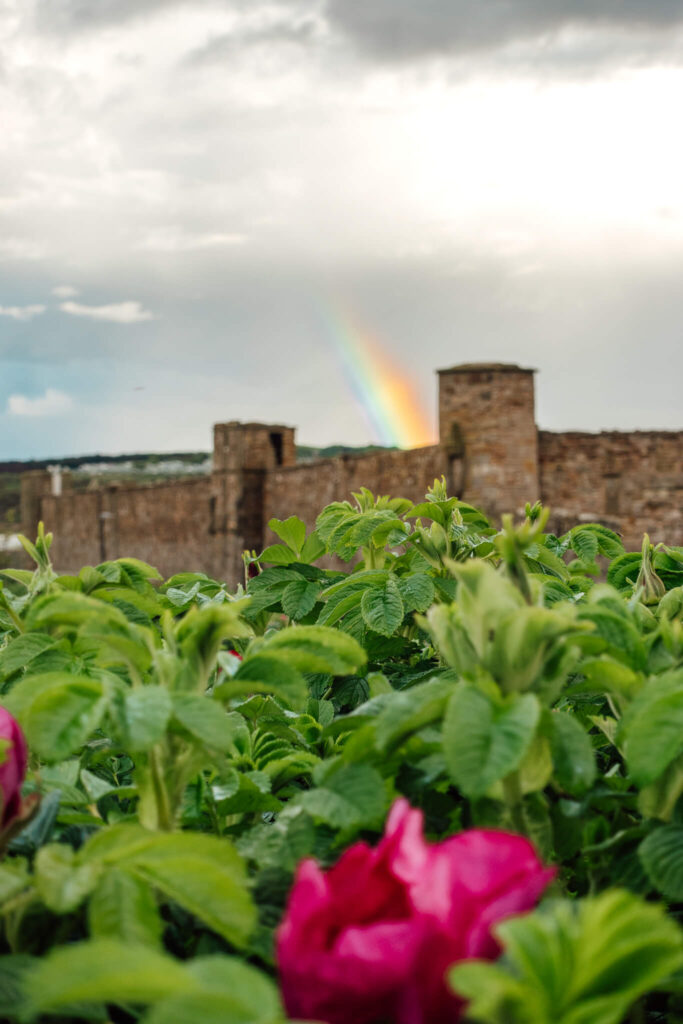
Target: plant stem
<point>512,791</point>
<point>165,817</point>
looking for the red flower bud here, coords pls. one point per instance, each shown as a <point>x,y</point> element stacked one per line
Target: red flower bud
<point>13,763</point>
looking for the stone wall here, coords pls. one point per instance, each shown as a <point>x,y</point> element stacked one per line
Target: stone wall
<point>304,490</point>
<point>490,452</point>
<point>632,482</point>
<point>165,524</point>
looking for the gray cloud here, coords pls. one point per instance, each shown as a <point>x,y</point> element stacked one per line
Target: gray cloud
<point>234,163</point>
<point>219,48</point>
<point>90,15</point>
<point>559,32</point>
<point>404,29</point>
<point>70,15</point>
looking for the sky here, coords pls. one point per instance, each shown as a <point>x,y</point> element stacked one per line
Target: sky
<point>207,206</point>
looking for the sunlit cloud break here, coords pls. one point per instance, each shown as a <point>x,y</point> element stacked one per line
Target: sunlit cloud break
<point>117,312</point>
<point>21,312</point>
<point>52,403</point>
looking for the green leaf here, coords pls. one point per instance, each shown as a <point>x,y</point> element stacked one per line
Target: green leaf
<point>116,646</point>
<point>661,854</point>
<point>12,980</point>
<point>585,544</point>
<point>651,730</point>
<point>339,605</point>
<point>205,876</point>
<point>609,542</point>
<point>71,609</point>
<point>582,962</point>
<point>203,873</point>
<point>14,878</point>
<point>61,881</point>
<point>62,718</point>
<point>352,797</point>
<point>199,636</point>
<point>313,548</point>
<point>549,560</point>
<point>231,992</point>
<point>572,753</point>
<point>20,652</point>
<point>357,581</point>
<point>261,673</point>
<point>205,720</point>
<point>621,635</point>
<point>23,576</point>
<point>417,592</point>
<point>298,598</point>
<point>316,649</point>
<point>623,571</point>
<point>27,690</point>
<point>95,787</point>
<point>410,710</point>
<point>277,554</point>
<point>251,794</point>
<point>292,531</point>
<point>659,798</point>
<point>382,607</point>
<point>135,567</point>
<point>122,907</point>
<point>103,970</point>
<point>147,711</point>
<point>605,673</point>
<point>125,598</point>
<point>482,742</point>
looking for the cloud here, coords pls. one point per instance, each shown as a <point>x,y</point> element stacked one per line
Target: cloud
<point>52,403</point>
<point>280,32</point>
<point>21,312</point>
<point>404,29</point>
<point>65,291</point>
<point>21,249</point>
<point>117,312</point>
<point>174,240</point>
<point>90,15</point>
<point>68,15</point>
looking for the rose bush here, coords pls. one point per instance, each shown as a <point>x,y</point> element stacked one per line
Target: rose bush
<point>13,764</point>
<point>372,938</point>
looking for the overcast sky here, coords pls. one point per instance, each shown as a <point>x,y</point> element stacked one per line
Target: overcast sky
<point>188,191</point>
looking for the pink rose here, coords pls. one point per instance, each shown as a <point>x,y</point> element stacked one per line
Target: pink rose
<point>371,939</point>
<point>13,763</point>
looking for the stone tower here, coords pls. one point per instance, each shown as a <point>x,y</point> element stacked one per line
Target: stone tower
<point>252,446</point>
<point>242,455</point>
<point>488,430</point>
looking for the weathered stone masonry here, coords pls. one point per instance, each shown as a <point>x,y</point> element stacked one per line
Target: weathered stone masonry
<point>489,449</point>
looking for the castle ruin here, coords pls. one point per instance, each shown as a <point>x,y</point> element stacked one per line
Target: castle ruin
<point>490,451</point>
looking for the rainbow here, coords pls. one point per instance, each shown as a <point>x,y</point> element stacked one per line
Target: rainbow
<point>383,390</point>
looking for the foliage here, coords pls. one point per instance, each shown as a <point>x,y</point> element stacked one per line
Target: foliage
<point>190,746</point>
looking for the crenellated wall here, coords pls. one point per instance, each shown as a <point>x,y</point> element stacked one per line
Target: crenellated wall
<point>490,452</point>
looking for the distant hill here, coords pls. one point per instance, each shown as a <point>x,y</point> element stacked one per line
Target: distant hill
<point>305,453</point>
